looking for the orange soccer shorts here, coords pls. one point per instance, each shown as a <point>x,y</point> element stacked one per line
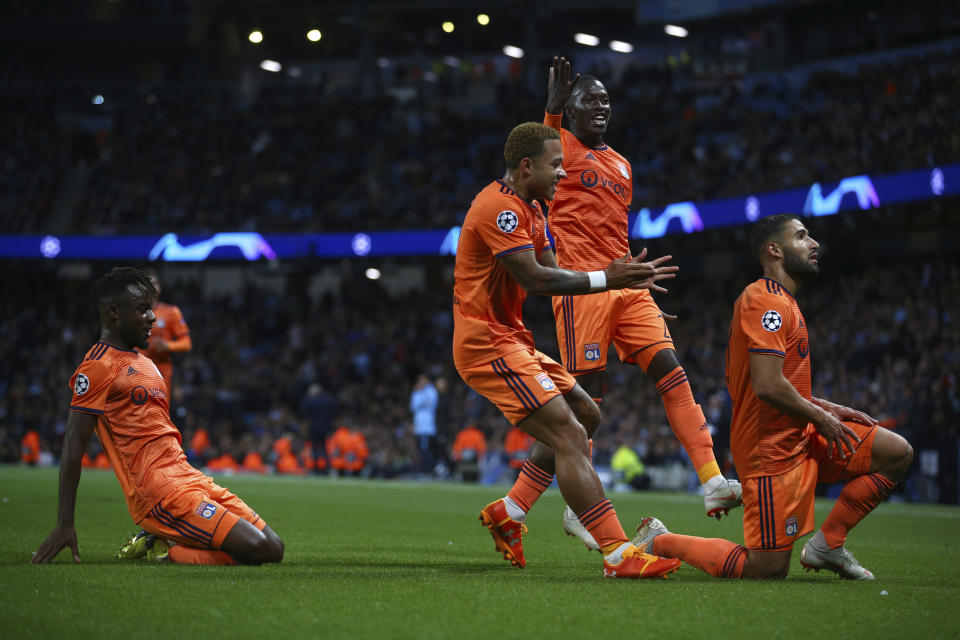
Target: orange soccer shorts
<point>586,325</point>
<point>519,383</point>
<point>200,515</point>
<point>778,509</point>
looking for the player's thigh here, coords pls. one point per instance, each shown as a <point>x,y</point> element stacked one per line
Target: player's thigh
<point>517,383</point>
<point>778,509</point>
<point>555,425</point>
<point>585,325</point>
<point>641,332</point>
<point>192,518</point>
<point>234,504</point>
<point>833,468</point>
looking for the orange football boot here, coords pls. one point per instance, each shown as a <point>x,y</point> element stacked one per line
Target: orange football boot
<point>636,563</point>
<point>507,533</point>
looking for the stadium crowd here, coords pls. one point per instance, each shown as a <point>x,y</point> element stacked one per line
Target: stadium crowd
<point>265,377</point>
<point>199,158</point>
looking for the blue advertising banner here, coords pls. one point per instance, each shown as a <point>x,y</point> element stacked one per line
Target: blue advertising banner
<point>854,193</point>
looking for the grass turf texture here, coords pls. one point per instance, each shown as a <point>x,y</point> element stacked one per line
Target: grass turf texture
<point>367,559</point>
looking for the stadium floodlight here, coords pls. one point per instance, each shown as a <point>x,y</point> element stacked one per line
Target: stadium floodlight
<point>512,51</point>
<point>256,36</point>
<point>314,35</point>
<point>586,38</point>
<point>675,31</point>
<point>447,27</point>
<point>621,46</point>
<point>97,99</point>
<point>483,19</point>
<point>373,274</point>
<point>270,65</point>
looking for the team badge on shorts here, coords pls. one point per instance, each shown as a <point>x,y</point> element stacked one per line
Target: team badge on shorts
<point>771,320</point>
<point>591,351</point>
<point>206,510</point>
<point>790,526</point>
<point>546,382</point>
<point>81,385</point>
<point>507,221</point>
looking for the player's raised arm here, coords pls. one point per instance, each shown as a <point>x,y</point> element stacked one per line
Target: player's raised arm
<point>559,85</point>
<point>624,273</point>
<point>770,385</point>
<point>79,428</point>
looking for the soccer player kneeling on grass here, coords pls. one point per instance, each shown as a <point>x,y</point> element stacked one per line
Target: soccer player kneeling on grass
<point>117,391</point>
<point>784,440</point>
<point>503,255</point>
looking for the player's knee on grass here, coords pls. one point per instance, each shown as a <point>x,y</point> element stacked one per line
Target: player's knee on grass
<point>767,565</point>
<point>892,454</point>
<point>249,545</point>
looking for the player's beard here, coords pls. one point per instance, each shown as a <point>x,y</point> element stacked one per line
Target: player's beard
<point>800,268</point>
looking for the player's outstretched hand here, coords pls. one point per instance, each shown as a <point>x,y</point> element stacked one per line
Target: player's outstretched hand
<point>836,434</point>
<point>559,85</point>
<point>634,273</point>
<point>59,538</point>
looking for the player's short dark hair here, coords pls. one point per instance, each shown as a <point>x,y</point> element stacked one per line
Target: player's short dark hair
<point>582,83</point>
<point>764,229</point>
<point>526,141</point>
<point>115,285</point>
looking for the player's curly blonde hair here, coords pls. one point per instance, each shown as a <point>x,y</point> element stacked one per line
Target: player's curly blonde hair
<point>526,141</point>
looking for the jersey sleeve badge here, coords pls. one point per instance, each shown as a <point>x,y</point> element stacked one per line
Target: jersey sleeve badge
<point>772,320</point>
<point>507,221</point>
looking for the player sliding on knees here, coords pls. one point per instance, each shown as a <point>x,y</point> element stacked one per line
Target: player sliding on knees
<point>120,394</point>
<point>588,220</point>
<point>784,440</point>
<point>502,256</point>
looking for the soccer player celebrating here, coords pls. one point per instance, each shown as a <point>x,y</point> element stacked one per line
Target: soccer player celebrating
<point>502,256</point>
<point>119,392</point>
<point>784,440</point>
<point>588,220</point>
<point>170,335</point>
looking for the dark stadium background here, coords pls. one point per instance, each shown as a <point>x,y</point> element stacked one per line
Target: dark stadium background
<point>146,118</point>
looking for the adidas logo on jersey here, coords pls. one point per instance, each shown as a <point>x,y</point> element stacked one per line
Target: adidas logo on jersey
<point>590,156</point>
<point>131,371</point>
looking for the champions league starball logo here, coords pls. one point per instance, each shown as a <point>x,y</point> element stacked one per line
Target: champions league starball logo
<point>507,221</point>
<point>81,385</point>
<point>771,321</point>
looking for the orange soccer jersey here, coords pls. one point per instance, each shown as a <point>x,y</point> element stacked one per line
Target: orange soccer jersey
<point>487,300</point>
<point>766,320</point>
<point>125,390</point>
<point>588,215</point>
<point>169,327</point>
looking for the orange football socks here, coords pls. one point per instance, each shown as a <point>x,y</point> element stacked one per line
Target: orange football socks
<point>716,556</point>
<point>602,523</point>
<point>530,485</point>
<point>859,497</point>
<point>688,422</point>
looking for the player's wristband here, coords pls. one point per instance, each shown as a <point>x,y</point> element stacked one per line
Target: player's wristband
<point>598,280</point>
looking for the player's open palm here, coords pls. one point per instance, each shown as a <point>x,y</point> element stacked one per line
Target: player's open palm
<point>59,538</point>
<point>624,273</point>
<point>836,434</point>
<point>559,85</point>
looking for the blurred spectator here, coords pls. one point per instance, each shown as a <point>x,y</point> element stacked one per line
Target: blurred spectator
<point>469,448</point>
<point>423,406</point>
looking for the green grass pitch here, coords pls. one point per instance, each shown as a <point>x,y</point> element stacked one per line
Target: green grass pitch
<point>369,559</point>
